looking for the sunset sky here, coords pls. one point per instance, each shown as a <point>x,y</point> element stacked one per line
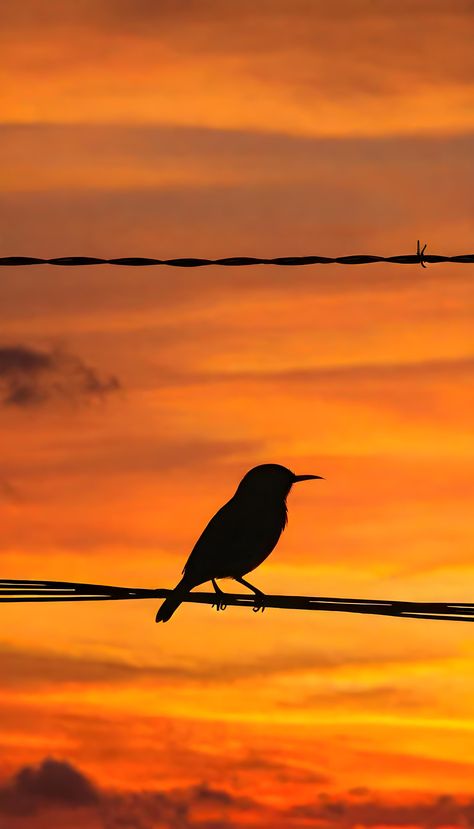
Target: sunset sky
<point>133,400</point>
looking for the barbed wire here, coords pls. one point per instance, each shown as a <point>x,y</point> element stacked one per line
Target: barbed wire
<point>17,590</point>
<point>420,258</point>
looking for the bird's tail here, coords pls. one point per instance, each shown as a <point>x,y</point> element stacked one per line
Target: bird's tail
<point>173,601</point>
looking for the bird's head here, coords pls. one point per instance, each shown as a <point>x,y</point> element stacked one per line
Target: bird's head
<point>270,479</point>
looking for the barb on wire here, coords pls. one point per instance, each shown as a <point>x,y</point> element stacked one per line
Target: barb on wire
<point>135,261</point>
<point>421,253</point>
<point>16,590</point>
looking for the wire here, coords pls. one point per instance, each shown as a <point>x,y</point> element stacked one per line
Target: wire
<point>420,257</point>
<point>16,590</point>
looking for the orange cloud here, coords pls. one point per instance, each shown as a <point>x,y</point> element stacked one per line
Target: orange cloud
<point>298,68</point>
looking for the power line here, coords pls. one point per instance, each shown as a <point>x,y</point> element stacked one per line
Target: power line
<point>420,258</point>
<point>16,590</point>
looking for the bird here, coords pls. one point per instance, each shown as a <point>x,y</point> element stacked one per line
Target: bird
<point>239,537</point>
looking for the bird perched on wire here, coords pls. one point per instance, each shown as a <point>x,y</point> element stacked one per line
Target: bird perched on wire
<point>239,537</point>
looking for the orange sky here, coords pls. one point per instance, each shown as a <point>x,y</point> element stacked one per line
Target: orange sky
<point>213,128</point>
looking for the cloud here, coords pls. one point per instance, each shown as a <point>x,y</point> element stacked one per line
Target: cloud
<point>35,792</point>
<point>353,697</point>
<point>35,669</point>
<point>281,772</point>
<point>52,782</point>
<point>31,377</point>
<point>58,785</point>
<point>149,156</point>
<point>367,809</point>
<point>295,64</point>
<point>27,669</point>
<point>343,380</point>
<point>202,805</point>
<point>144,454</point>
<point>418,389</point>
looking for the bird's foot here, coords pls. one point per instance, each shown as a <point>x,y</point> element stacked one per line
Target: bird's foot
<point>219,603</point>
<point>259,602</point>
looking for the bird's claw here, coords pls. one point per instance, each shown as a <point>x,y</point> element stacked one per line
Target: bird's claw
<point>219,604</point>
<point>259,603</point>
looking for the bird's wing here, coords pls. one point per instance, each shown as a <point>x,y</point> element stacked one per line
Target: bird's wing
<point>221,540</point>
<point>234,537</point>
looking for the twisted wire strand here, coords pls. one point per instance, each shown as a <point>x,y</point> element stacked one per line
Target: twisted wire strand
<point>17,590</point>
<point>420,258</point>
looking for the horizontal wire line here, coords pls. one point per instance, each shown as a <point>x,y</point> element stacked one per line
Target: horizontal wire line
<point>236,261</point>
<point>418,258</point>
<point>15,590</point>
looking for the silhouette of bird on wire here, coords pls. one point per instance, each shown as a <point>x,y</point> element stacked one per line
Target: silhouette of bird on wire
<point>239,537</point>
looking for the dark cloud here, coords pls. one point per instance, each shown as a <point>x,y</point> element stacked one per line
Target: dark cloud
<point>373,810</point>
<point>31,377</point>
<point>52,782</point>
<point>359,791</point>
<point>377,697</point>
<point>35,792</point>
<point>281,772</point>
<point>59,785</point>
<point>203,805</point>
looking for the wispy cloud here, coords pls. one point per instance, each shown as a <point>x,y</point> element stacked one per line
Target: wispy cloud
<point>296,66</point>
<point>32,377</point>
<point>46,669</point>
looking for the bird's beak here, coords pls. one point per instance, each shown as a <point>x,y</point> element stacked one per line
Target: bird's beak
<point>307,478</point>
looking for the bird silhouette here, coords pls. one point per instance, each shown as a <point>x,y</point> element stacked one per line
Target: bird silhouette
<point>239,537</point>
